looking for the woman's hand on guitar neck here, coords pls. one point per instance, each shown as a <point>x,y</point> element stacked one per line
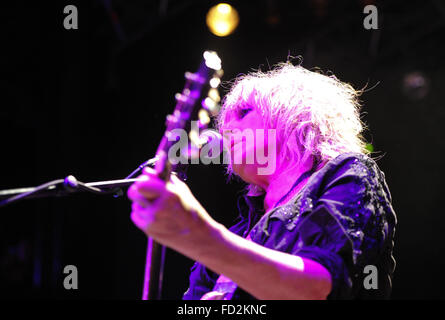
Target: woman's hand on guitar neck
<point>169,213</point>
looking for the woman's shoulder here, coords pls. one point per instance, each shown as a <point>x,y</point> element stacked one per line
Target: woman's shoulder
<point>351,180</point>
<point>353,167</point>
<point>353,162</point>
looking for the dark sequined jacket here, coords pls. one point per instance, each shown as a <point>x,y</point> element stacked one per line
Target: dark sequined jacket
<point>342,218</point>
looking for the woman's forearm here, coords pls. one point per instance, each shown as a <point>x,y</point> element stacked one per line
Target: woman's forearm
<point>177,220</point>
<point>264,273</point>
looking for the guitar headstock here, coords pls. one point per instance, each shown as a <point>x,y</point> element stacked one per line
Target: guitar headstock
<point>201,89</point>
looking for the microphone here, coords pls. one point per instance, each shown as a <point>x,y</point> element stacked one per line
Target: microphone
<point>150,162</point>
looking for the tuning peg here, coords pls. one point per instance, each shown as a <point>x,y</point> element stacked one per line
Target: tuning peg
<point>181,97</point>
<point>194,77</point>
<point>214,82</point>
<point>211,105</point>
<point>204,119</point>
<point>212,60</point>
<point>219,73</point>
<point>214,95</point>
<point>197,140</point>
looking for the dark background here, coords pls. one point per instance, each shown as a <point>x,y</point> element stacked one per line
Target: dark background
<point>91,102</point>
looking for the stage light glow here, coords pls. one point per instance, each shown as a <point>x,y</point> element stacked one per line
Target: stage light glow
<point>222,19</point>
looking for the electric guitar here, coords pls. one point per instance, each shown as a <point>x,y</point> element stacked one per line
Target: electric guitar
<point>207,78</point>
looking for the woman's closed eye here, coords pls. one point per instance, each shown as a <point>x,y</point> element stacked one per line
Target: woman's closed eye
<point>242,112</point>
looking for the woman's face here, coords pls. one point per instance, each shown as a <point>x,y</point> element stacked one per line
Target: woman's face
<point>251,146</point>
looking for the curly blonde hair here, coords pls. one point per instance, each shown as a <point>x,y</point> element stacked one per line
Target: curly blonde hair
<point>319,111</point>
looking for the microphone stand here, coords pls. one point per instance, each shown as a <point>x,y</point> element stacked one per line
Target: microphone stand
<point>154,265</point>
<point>70,185</point>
